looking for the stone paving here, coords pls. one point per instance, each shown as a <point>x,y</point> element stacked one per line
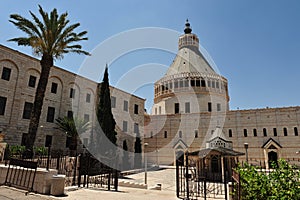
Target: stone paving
<point>166,177</point>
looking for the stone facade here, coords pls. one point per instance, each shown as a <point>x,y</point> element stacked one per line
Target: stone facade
<point>67,94</point>
<point>191,101</point>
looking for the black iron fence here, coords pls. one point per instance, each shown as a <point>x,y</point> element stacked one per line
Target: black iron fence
<point>79,169</point>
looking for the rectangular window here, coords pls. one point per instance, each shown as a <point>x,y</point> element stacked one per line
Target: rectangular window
<point>255,132</point>
<point>176,108</point>
<point>285,133</point>
<point>113,101</point>
<point>230,133</point>
<point>54,88</point>
<point>209,83</point>
<point>70,114</point>
<point>136,109</point>
<point>275,132</point>
<point>48,141</point>
<point>136,128</point>
<point>209,107</point>
<point>187,107</point>
<point>68,141</point>
<point>159,110</point>
<point>166,134</point>
<point>186,83</point>
<point>265,132</point>
<point>32,81</point>
<point>86,118</point>
<point>27,110</point>
<point>193,83</point>
<point>50,114</point>
<point>125,124</point>
<point>196,133</point>
<point>2,105</point>
<point>218,107</point>
<point>125,107</point>
<point>198,83</point>
<point>181,83</point>
<point>176,84</point>
<point>203,83</point>
<point>6,73</point>
<point>156,111</point>
<point>296,131</point>
<point>72,93</point>
<point>88,98</point>
<point>213,84</point>
<point>217,85</point>
<point>245,133</point>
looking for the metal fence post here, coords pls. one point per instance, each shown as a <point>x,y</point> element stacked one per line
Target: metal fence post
<point>187,175</point>
<point>48,157</point>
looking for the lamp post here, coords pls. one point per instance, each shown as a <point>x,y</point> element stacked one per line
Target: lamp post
<point>246,145</point>
<point>145,156</point>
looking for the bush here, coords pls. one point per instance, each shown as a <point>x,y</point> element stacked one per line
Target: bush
<point>280,183</point>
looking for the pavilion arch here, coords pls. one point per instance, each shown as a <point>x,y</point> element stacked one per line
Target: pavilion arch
<point>272,152</point>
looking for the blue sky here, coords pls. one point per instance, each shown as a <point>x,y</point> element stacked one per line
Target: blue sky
<point>255,44</point>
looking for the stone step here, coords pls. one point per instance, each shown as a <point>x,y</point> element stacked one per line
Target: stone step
<point>132,184</point>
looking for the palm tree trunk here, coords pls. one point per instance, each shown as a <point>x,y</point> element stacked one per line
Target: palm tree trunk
<point>46,64</point>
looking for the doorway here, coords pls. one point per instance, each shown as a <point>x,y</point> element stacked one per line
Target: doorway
<point>272,159</point>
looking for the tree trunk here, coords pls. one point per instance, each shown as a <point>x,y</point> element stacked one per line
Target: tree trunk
<point>46,64</point>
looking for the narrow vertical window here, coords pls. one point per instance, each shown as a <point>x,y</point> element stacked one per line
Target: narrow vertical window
<point>180,134</point>
<point>125,124</point>
<point>50,114</point>
<point>86,118</point>
<point>209,107</point>
<point>218,107</point>
<point>155,111</point>
<point>27,110</point>
<point>245,133</point>
<point>187,107</point>
<point>196,134</point>
<point>176,108</point>
<point>113,101</point>
<point>48,141</point>
<point>285,132</point>
<point>136,128</point>
<point>2,105</point>
<point>166,134</point>
<point>255,132</point>
<point>125,107</point>
<point>230,133</point>
<point>265,132</point>
<point>88,98</point>
<point>72,93</point>
<point>296,131</point>
<point>54,88</point>
<point>70,114</point>
<point>136,109</point>
<point>193,83</point>
<point>151,134</point>
<point>159,110</point>
<point>32,81</point>
<point>6,73</point>
<point>203,83</point>
<point>197,83</point>
<point>275,132</point>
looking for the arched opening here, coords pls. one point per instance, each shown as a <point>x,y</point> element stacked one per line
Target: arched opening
<point>272,158</point>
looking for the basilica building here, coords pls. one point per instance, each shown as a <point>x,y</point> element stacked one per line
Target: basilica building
<point>191,102</point>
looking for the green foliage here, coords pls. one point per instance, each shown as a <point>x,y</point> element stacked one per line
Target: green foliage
<point>17,150</point>
<point>282,182</point>
<point>40,151</point>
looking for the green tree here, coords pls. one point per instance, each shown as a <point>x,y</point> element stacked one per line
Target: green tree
<point>50,38</point>
<point>106,134</point>
<point>282,182</point>
<point>73,127</point>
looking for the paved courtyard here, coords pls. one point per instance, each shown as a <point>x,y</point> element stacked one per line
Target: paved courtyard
<point>166,177</point>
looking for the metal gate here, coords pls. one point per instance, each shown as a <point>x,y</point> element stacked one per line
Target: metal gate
<point>193,183</point>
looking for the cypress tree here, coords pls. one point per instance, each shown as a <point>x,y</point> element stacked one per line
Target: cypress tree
<point>138,152</point>
<point>106,135</point>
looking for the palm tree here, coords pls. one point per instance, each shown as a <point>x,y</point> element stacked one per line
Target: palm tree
<point>73,127</point>
<point>50,38</point>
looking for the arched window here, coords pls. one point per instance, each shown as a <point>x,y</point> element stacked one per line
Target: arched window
<point>296,131</point>
<point>230,133</point>
<point>285,133</point>
<point>265,132</point>
<point>245,133</point>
